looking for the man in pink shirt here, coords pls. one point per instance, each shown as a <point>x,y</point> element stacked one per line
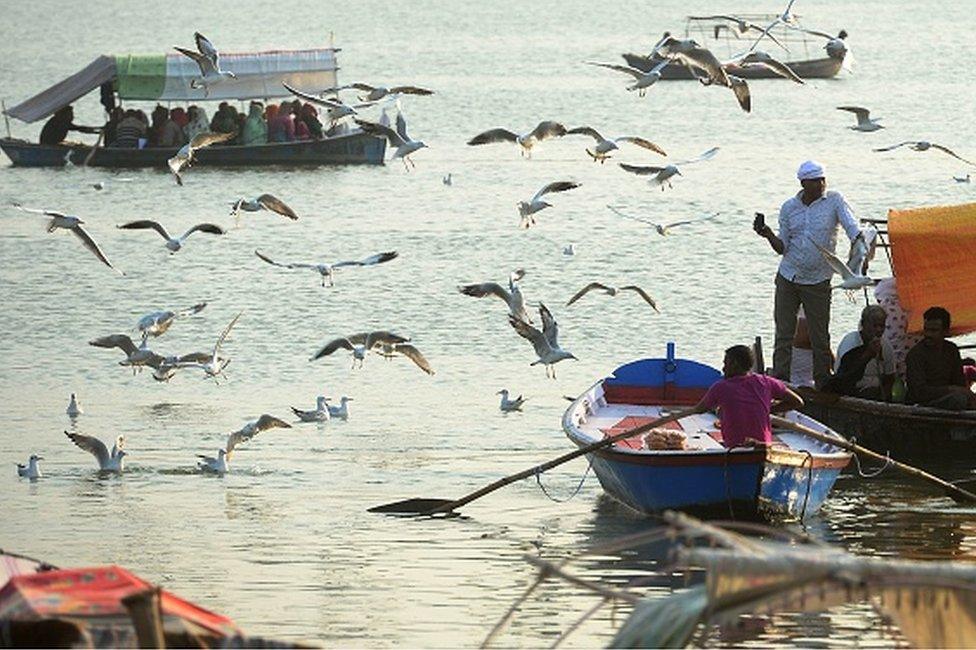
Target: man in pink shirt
<point>745,400</point>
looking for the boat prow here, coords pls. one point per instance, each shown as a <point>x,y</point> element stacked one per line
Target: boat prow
<point>689,469</point>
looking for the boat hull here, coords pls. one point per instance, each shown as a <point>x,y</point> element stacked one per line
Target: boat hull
<point>351,149</point>
<point>823,68</point>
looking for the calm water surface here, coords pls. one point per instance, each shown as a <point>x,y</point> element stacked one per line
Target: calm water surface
<point>284,544</point>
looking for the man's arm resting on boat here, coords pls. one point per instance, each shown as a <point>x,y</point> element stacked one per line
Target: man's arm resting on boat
<point>788,402</point>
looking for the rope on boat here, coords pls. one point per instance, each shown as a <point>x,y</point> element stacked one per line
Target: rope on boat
<point>538,479</point>
<point>872,474</point>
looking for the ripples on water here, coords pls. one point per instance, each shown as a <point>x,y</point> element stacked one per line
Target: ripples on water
<point>283,544</point>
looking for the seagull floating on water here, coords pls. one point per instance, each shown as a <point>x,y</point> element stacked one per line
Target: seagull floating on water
<point>31,469</point>
<point>264,202</point>
<point>107,461</point>
<point>513,296</point>
<point>962,179</point>
<point>68,222</point>
<point>663,175</point>
<point>341,411</point>
<point>526,141</point>
<point>185,156</point>
<point>508,405</point>
<point>865,122</point>
<point>569,249</point>
<point>359,344</point>
<point>327,271</point>
<point>158,322</point>
<point>612,292</point>
<point>604,146</point>
<point>448,180</point>
<point>663,229</point>
<point>218,465</point>
<point>74,407</point>
<point>208,60</point>
<point>399,138</point>
<point>173,244</point>
<point>545,342</point>
<point>527,209</point>
<point>321,412</point>
<point>925,145</point>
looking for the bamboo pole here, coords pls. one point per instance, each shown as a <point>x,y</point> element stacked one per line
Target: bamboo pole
<point>147,618</point>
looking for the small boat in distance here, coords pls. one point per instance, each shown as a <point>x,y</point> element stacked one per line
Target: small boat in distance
<point>692,471</point>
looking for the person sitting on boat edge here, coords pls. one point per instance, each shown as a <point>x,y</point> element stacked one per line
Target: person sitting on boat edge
<point>865,360</point>
<point>55,130</point>
<point>806,220</point>
<point>744,400</point>
<point>933,368</point>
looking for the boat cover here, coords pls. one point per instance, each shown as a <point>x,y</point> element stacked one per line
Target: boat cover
<point>933,253</point>
<point>95,595</point>
<point>167,77</point>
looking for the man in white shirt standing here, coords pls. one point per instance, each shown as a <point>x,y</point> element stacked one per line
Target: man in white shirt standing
<point>872,355</point>
<point>810,217</point>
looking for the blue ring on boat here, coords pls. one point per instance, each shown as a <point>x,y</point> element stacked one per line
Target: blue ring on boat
<point>670,367</point>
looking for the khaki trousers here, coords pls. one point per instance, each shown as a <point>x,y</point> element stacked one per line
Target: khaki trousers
<point>815,299</point>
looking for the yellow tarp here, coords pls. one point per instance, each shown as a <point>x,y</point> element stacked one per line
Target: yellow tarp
<point>934,252</point>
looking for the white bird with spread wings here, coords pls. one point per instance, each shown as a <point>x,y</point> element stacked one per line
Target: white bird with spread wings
<point>73,224</point>
<point>218,465</point>
<point>662,229</point>
<point>327,271</point>
<point>208,60</point>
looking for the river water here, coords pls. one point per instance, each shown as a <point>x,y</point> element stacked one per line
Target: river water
<point>283,544</point>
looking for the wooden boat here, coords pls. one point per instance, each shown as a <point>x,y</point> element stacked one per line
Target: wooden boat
<point>790,478</point>
<point>352,148</point>
<point>172,77</point>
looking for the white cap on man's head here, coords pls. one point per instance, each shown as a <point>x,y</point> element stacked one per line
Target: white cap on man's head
<point>810,169</point>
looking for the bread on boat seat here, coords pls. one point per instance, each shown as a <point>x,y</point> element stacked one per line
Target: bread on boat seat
<point>665,439</point>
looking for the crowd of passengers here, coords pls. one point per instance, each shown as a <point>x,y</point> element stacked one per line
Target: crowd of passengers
<point>285,122</point>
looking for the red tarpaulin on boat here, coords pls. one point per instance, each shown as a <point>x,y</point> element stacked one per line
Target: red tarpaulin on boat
<point>934,251</point>
<point>96,593</point>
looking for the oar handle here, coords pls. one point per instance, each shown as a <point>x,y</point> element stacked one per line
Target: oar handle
<point>565,458</point>
<point>850,446</point>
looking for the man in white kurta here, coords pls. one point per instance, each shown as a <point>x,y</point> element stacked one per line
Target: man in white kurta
<point>811,217</point>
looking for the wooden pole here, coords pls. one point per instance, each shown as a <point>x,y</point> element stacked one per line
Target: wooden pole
<point>6,120</point>
<point>147,617</point>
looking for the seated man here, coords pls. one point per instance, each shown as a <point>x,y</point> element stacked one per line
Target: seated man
<point>865,365</point>
<point>56,129</point>
<point>933,368</point>
<point>744,400</point>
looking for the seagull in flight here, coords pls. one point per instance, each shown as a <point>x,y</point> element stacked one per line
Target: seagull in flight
<point>526,141</point>
<point>212,364</point>
<point>508,405</point>
<point>604,146</point>
<point>264,202</point>
<point>663,175</point>
<point>158,322</point>
<point>705,67</point>
<point>663,229</point>
<point>334,109</point>
<point>742,25</point>
<point>359,344</point>
<point>527,209</point>
<point>924,145</point>
<point>865,122</point>
<point>208,60</point>
<point>545,342</point>
<point>320,413</point>
<point>399,138</point>
<point>135,356</point>
<point>513,296</point>
<point>31,469</point>
<point>612,292</point>
<point>376,93</point>
<point>73,224</point>
<point>172,243</point>
<point>341,411</point>
<point>390,350</point>
<point>758,58</point>
<point>185,156</point>
<point>107,461</point>
<point>642,80</point>
<point>218,465</point>
<point>327,271</point>
<point>851,281</point>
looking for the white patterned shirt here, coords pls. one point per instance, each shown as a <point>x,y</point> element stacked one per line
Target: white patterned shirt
<point>799,224</point>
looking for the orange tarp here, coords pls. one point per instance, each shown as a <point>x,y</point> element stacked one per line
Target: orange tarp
<point>934,251</point>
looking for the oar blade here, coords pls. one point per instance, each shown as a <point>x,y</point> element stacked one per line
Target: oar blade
<point>968,485</point>
<point>416,506</point>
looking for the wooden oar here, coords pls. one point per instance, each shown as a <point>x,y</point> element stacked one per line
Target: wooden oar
<point>956,492</point>
<point>91,153</point>
<point>424,506</point>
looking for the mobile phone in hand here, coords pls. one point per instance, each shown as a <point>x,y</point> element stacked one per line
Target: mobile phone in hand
<point>759,223</point>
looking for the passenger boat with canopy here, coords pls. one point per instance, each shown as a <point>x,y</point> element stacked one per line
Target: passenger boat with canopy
<point>687,467</point>
<point>931,254</point>
<point>169,78</point>
<point>811,54</point>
